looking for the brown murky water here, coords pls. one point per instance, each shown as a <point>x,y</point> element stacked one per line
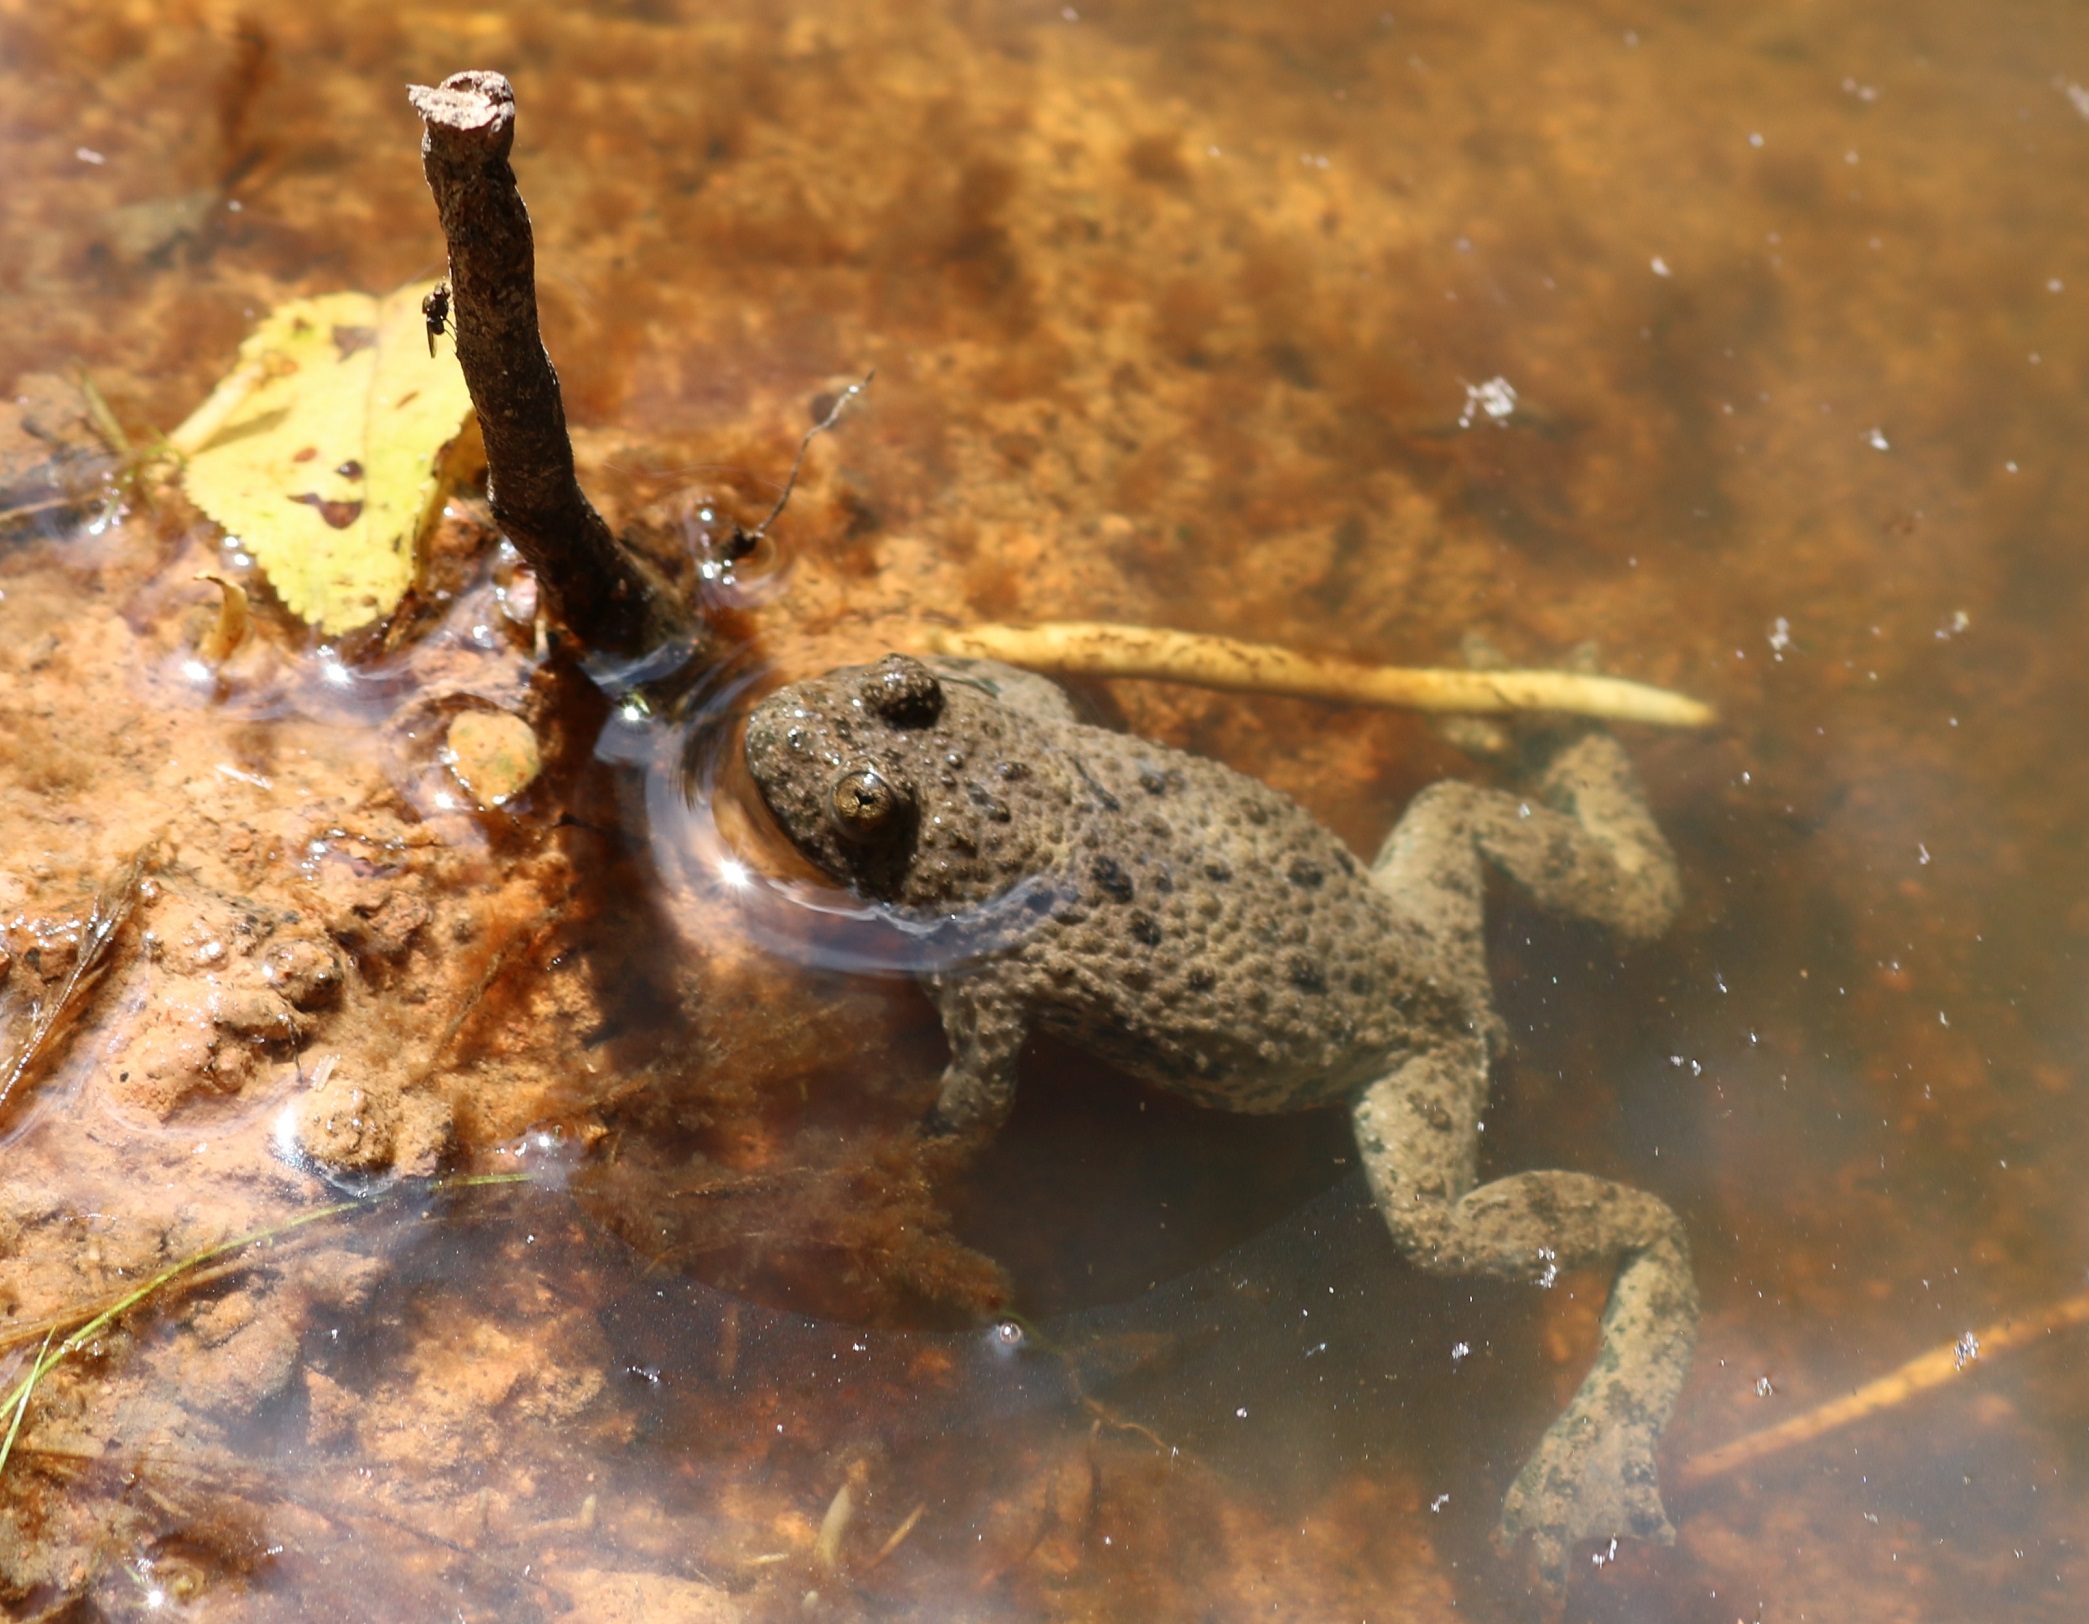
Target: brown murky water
<point>1183,313</point>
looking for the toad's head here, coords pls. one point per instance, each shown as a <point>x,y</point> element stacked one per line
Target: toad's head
<point>906,787</point>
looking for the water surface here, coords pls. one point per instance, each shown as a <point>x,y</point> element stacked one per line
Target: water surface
<point>1190,314</point>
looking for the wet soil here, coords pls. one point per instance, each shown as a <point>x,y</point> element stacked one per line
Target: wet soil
<point>1180,313</point>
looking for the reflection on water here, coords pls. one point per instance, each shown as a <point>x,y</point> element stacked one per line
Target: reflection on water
<point>1747,343</point>
<point>694,787</point>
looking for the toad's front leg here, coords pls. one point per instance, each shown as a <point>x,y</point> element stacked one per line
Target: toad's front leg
<point>985,1023</point>
<point>1592,1476</point>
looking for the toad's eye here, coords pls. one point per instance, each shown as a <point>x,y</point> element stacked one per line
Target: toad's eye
<point>866,805</point>
<point>903,691</point>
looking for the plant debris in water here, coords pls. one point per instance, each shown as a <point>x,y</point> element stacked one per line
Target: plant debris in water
<point>1080,648</point>
<point>52,1014</point>
<point>327,449</point>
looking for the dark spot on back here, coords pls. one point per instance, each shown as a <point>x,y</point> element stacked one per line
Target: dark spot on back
<point>1146,929</point>
<point>1108,800</point>
<point>1202,980</point>
<point>1217,872</point>
<point>1110,876</point>
<point>1305,974</point>
<point>1305,873</point>
<point>996,810</point>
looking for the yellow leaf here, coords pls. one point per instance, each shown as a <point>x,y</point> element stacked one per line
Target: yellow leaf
<point>325,452</point>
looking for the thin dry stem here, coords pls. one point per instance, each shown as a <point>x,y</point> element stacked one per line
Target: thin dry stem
<point>1918,1375</point>
<point>90,1322</point>
<point>1089,648</point>
<point>31,509</point>
<point>112,907</point>
<point>896,1539</point>
<point>221,639</point>
<point>200,427</point>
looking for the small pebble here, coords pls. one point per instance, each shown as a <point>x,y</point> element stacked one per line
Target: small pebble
<point>493,754</point>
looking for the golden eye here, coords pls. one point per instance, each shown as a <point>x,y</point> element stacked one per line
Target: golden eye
<point>865,804</point>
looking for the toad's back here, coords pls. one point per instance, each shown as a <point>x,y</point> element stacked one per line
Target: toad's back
<point>1192,925</point>
<point>1212,937</point>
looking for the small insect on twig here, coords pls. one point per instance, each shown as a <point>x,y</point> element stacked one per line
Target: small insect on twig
<point>435,310</point>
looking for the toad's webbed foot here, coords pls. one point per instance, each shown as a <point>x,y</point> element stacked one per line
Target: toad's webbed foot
<point>1592,1477</point>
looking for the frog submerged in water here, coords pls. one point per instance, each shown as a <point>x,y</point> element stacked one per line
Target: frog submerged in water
<point>1203,933</point>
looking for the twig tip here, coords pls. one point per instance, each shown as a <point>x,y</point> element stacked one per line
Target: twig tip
<point>475,99</point>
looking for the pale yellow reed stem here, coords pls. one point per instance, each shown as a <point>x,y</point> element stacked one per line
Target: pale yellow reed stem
<point>1089,648</point>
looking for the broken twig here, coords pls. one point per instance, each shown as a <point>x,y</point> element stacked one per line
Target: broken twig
<point>1896,1387</point>
<point>1090,648</point>
<point>603,593</point>
<point>221,639</point>
<point>105,921</point>
<point>897,1538</point>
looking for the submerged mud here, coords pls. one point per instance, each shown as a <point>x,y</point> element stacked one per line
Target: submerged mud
<point>1748,346</point>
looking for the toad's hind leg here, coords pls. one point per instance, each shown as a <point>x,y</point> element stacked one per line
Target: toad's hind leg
<point>1592,1475</point>
<point>1583,845</point>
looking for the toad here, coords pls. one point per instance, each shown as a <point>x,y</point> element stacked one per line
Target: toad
<point>1204,934</point>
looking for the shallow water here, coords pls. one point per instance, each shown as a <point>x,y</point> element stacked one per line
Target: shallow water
<point>1185,314</point>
